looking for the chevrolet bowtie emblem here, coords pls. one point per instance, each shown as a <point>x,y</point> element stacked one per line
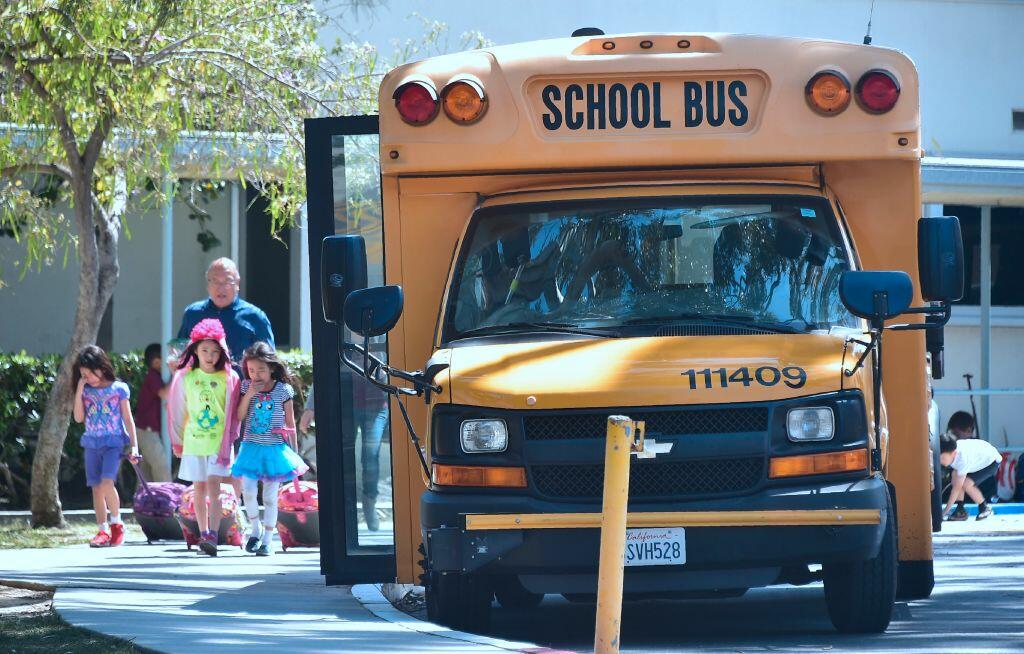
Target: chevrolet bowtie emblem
<point>653,448</point>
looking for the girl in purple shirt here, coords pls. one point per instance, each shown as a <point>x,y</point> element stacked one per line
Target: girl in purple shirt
<point>101,402</point>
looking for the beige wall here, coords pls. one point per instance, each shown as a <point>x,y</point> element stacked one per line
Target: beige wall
<point>36,313</point>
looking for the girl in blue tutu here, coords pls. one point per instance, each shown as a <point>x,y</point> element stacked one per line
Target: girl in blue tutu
<point>268,441</point>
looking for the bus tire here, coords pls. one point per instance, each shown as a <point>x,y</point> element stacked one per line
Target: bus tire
<point>915,580</point>
<point>512,594</point>
<point>860,596</point>
<point>459,601</point>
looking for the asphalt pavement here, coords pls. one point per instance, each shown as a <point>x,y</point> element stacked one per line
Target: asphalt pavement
<point>171,600</point>
<point>977,607</point>
<point>168,599</point>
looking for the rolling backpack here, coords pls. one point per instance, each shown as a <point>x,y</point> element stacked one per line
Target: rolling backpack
<point>1006,477</point>
<point>298,515</point>
<point>154,505</point>
<point>229,532</point>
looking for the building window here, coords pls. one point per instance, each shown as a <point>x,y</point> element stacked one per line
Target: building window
<point>1018,120</point>
<point>1007,264</point>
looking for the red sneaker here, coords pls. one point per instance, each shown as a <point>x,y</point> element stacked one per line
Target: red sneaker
<point>102,539</point>
<point>116,534</point>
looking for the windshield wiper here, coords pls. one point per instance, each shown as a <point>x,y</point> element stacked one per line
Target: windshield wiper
<point>520,327</point>
<point>715,319</point>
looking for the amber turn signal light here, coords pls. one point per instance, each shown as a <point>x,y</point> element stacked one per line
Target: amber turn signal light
<point>828,93</point>
<point>464,101</point>
<point>492,476</point>
<point>818,464</point>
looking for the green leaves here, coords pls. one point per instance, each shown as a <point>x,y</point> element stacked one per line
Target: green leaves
<point>133,82</point>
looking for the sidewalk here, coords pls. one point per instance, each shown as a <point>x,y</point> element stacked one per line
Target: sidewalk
<point>166,598</point>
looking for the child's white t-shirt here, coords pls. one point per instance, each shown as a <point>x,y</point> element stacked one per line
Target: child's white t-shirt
<point>974,454</point>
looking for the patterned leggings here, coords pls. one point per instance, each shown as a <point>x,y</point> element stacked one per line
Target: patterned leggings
<point>252,509</point>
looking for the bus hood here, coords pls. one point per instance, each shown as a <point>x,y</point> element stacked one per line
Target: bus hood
<point>654,371</point>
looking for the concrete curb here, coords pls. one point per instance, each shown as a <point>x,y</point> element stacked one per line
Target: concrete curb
<point>28,585</point>
<point>373,600</point>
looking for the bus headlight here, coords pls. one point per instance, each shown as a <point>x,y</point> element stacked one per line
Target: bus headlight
<point>484,436</point>
<point>810,424</point>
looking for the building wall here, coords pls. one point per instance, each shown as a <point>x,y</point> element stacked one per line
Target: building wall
<point>963,348</point>
<point>37,310</point>
<point>137,297</point>
<point>44,301</point>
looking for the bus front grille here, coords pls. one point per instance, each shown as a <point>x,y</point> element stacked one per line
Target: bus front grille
<point>653,480</point>
<point>671,422</point>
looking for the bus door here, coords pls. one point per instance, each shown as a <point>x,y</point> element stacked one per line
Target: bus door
<point>353,442</point>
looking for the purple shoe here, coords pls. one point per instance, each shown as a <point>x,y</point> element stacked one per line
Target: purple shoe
<point>208,543</point>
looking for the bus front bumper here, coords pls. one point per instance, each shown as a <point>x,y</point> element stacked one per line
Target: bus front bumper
<point>765,533</point>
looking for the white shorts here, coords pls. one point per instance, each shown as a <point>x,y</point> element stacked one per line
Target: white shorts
<point>200,468</point>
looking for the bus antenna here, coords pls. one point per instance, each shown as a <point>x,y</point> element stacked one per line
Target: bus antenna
<point>871,12</point>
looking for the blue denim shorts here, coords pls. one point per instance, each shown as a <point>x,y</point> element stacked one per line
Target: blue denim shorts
<point>101,463</point>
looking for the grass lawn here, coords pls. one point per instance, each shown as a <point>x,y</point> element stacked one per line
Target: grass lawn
<point>21,536</point>
<point>29,624</point>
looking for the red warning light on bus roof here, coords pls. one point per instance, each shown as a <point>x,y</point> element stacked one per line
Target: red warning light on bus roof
<point>416,102</point>
<point>877,91</point>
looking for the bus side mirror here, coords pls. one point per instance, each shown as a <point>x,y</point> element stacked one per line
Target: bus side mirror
<point>342,271</point>
<point>373,311</point>
<point>940,258</point>
<point>875,294</point>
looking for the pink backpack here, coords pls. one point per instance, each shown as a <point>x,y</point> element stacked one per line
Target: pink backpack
<point>298,515</point>
<point>229,533</point>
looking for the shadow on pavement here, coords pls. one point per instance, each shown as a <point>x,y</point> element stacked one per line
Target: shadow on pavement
<point>977,606</point>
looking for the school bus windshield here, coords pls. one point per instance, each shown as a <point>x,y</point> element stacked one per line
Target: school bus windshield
<point>767,262</point>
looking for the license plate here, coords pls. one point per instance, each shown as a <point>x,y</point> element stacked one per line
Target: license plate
<point>656,546</point>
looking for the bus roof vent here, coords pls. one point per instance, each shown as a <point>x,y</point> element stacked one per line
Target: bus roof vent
<point>588,31</point>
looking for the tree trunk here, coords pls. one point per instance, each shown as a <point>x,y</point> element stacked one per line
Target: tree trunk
<point>97,276</point>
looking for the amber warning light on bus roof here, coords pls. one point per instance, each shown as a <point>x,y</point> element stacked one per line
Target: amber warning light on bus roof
<point>828,92</point>
<point>464,100</point>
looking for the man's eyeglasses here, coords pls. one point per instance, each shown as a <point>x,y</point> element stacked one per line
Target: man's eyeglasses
<point>221,283</point>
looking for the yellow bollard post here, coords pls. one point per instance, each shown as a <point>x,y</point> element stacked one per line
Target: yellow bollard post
<point>620,441</point>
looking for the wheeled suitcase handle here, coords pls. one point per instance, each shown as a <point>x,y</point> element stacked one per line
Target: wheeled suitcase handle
<point>141,478</point>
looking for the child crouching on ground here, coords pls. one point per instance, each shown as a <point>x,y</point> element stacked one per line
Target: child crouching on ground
<point>202,405</point>
<point>973,461</point>
<point>268,438</point>
<point>101,402</point>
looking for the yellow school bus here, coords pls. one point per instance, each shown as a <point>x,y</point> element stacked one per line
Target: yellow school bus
<point>680,228</point>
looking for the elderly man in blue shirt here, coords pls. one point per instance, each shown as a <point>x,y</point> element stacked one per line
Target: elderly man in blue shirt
<point>244,323</point>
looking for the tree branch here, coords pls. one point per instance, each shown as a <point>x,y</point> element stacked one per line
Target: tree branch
<point>171,47</point>
<point>192,56</point>
<point>40,169</point>
<point>96,139</point>
<point>67,132</point>
<point>73,28</point>
<point>116,59</point>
